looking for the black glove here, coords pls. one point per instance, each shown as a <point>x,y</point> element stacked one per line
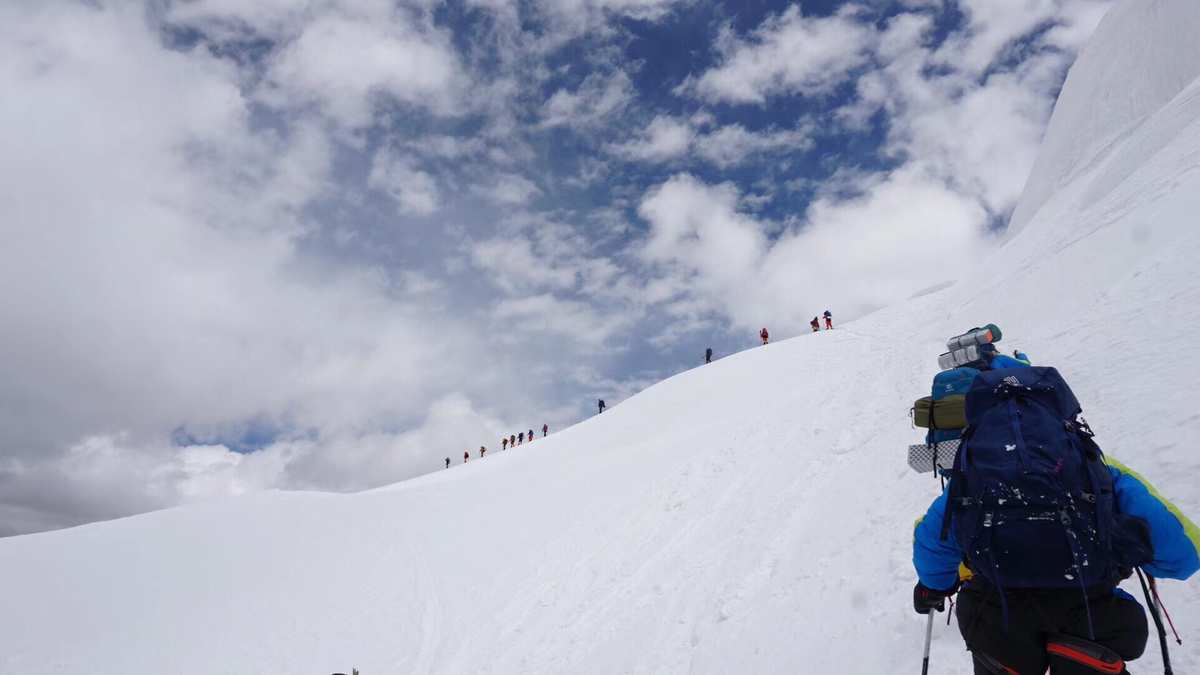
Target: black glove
<point>927,599</point>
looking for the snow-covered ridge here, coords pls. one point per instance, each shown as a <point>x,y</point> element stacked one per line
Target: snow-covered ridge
<point>1141,56</point>
<point>750,516</point>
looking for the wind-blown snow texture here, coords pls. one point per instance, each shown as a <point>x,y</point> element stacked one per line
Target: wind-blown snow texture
<point>751,516</point>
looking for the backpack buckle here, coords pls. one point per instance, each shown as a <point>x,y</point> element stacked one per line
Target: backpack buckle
<point>1084,428</point>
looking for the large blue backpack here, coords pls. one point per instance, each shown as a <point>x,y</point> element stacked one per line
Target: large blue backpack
<point>1030,500</point>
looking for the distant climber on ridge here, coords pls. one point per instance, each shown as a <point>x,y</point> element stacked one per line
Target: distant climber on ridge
<point>482,451</point>
<point>708,355</point>
<point>763,334</point>
<point>530,435</point>
<point>828,320</point>
<point>601,405</point>
<point>512,441</point>
<point>447,462</point>
<point>520,438</point>
<point>1035,533</point>
<point>816,325</point>
<point>466,456</point>
<point>504,443</point>
<point>545,430</point>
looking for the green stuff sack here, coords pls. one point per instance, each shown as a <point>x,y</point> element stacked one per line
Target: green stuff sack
<point>948,413</point>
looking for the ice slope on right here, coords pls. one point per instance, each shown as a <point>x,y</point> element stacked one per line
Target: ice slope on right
<point>1141,56</point>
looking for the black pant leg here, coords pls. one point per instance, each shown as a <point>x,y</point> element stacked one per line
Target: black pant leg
<point>1019,645</point>
<point>1118,621</point>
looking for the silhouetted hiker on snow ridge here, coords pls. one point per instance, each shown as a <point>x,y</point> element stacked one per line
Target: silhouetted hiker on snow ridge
<point>828,320</point>
<point>601,405</point>
<point>816,325</point>
<point>530,435</point>
<point>708,355</point>
<point>466,456</point>
<point>545,430</point>
<point>482,450</point>
<point>504,443</point>
<point>763,334</point>
<point>447,462</point>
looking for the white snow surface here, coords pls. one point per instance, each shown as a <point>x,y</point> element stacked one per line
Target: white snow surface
<point>750,516</point>
<point>1142,54</point>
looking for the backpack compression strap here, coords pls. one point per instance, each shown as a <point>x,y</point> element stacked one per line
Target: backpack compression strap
<point>1093,656</point>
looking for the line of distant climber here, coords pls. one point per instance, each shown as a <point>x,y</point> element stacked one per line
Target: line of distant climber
<point>765,336</point>
<point>511,441</point>
<point>520,438</point>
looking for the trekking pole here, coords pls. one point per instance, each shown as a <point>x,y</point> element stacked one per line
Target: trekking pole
<point>928,639</point>
<point>1162,633</point>
<point>1163,608</point>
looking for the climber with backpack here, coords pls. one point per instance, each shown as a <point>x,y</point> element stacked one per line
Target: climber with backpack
<point>1036,527</point>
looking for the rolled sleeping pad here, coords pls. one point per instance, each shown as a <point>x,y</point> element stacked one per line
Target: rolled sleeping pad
<point>975,336</point>
<point>948,413</point>
<point>960,357</point>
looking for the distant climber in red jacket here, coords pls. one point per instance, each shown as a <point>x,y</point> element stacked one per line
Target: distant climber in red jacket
<point>763,334</point>
<point>828,320</point>
<point>816,325</point>
<point>466,456</point>
<point>545,430</point>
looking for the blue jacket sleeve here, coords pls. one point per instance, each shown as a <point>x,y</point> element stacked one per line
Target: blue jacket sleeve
<point>1175,539</point>
<point>935,559</point>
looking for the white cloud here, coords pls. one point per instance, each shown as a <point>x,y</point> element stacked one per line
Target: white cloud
<point>733,144</point>
<point>1076,23</point>
<point>342,64</point>
<point>907,232</point>
<point>664,139</point>
<point>980,133</point>
<point>564,20</point>
<point>180,257</point>
<point>549,315</point>
<point>597,97</point>
<point>510,189</point>
<point>414,191</point>
<point>787,54</point>
<point>156,274</point>
<point>668,138</point>
<point>343,58</point>
<point>697,231</point>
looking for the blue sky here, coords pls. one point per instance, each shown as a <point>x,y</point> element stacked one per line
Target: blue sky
<point>324,244</point>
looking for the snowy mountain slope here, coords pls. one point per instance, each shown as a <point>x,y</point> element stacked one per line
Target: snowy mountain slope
<point>1140,57</point>
<point>751,516</point>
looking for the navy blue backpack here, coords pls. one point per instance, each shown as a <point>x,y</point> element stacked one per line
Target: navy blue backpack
<point>1031,501</point>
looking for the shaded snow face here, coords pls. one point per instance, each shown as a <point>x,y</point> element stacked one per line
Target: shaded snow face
<point>325,245</point>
